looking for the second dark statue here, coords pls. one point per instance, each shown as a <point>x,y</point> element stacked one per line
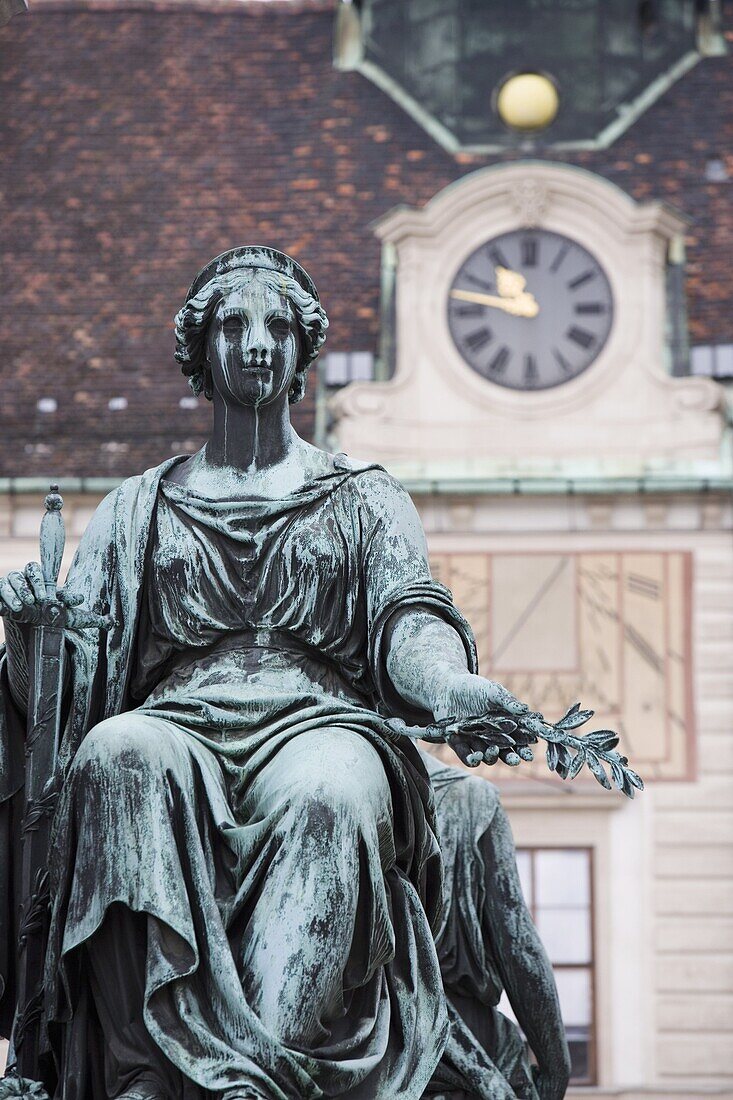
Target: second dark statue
<point>246,882</point>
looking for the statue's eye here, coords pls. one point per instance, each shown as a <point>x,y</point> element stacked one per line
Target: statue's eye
<point>232,326</point>
<point>280,328</point>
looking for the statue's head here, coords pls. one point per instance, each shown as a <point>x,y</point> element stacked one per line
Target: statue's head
<point>251,326</point>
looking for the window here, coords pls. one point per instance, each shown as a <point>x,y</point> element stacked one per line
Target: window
<point>713,361</point>
<point>557,885</point>
<point>341,367</point>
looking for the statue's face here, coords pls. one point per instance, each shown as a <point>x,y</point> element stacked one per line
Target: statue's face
<point>253,344</point>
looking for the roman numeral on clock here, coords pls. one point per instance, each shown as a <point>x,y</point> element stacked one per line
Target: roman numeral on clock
<point>478,338</point>
<point>500,360</point>
<point>581,280</point>
<point>559,258</point>
<point>531,374</point>
<point>497,257</point>
<point>529,251</point>
<point>581,336</point>
<point>562,362</point>
<point>467,309</point>
<point>590,307</point>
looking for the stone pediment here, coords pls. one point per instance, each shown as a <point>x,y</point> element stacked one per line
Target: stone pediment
<point>625,414</point>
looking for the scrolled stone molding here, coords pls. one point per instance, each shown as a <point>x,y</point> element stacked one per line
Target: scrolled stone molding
<point>698,394</point>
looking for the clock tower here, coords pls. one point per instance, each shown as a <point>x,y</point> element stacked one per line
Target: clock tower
<point>531,335</point>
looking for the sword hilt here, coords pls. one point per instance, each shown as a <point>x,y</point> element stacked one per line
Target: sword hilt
<point>53,540</point>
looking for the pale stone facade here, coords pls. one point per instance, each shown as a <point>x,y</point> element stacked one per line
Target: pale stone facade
<point>586,531</point>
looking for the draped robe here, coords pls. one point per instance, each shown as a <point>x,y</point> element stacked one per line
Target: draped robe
<point>241,691</point>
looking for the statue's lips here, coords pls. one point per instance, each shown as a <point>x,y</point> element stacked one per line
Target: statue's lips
<point>257,370</point>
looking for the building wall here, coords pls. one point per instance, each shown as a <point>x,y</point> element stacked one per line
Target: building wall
<point>664,862</point>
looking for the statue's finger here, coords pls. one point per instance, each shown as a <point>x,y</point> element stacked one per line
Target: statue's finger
<point>34,576</point>
<point>511,758</point>
<point>476,755</point>
<point>20,586</point>
<point>80,620</point>
<point>525,753</point>
<point>9,596</point>
<point>491,754</point>
<point>71,599</point>
<point>464,750</point>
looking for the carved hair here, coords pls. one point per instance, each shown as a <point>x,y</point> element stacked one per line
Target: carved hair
<point>192,324</point>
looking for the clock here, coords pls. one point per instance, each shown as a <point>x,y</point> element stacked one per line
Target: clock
<point>530,309</point>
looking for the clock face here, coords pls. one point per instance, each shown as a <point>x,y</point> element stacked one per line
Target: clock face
<point>530,309</point>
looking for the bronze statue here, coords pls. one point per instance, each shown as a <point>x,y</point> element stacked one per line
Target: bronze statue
<point>245,874</point>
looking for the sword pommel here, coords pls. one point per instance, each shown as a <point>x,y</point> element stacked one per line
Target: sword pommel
<point>53,539</point>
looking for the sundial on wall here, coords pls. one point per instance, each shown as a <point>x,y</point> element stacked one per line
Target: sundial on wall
<point>530,309</point>
<point>608,627</point>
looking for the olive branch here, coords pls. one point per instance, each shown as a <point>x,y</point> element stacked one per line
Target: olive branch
<point>508,736</point>
<point>567,753</point>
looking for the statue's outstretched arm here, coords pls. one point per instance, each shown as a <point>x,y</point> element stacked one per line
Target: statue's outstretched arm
<point>426,662</point>
<point>523,964</point>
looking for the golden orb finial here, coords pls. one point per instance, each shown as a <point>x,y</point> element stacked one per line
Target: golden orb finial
<point>527,101</point>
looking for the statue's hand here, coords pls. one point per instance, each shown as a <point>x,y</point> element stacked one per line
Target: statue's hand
<point>23,599</point>
<point>469,701</point>
<point>22,595</point>
<point>552,1085</point>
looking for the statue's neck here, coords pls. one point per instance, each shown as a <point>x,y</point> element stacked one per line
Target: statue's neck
<point>249,437</point>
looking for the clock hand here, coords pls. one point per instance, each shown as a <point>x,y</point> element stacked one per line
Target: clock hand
<point>523,305</point>
<point>510,284</point>
<point>512,298</point>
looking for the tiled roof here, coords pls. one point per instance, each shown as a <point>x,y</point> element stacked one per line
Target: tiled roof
<point>138,140</point>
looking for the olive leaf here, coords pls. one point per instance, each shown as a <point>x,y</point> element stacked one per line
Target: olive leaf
<point>598,770</point>
<point>603,739</point>
<point>575,717</point>
<point>576,765</point>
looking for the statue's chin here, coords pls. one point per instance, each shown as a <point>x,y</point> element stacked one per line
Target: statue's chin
<point>253,386</point>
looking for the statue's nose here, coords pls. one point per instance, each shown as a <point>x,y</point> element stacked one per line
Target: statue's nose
<point>259,352</point>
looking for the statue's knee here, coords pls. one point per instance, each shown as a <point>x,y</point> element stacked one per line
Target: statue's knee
<point>352,783</point>
<point>122,743</point>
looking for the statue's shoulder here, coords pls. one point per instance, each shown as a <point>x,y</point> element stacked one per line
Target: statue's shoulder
<point>371,480</point>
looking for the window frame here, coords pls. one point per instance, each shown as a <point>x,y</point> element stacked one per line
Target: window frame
<point>591,1080</point>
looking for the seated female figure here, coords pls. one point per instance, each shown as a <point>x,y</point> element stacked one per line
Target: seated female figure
<point>245,873</point>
